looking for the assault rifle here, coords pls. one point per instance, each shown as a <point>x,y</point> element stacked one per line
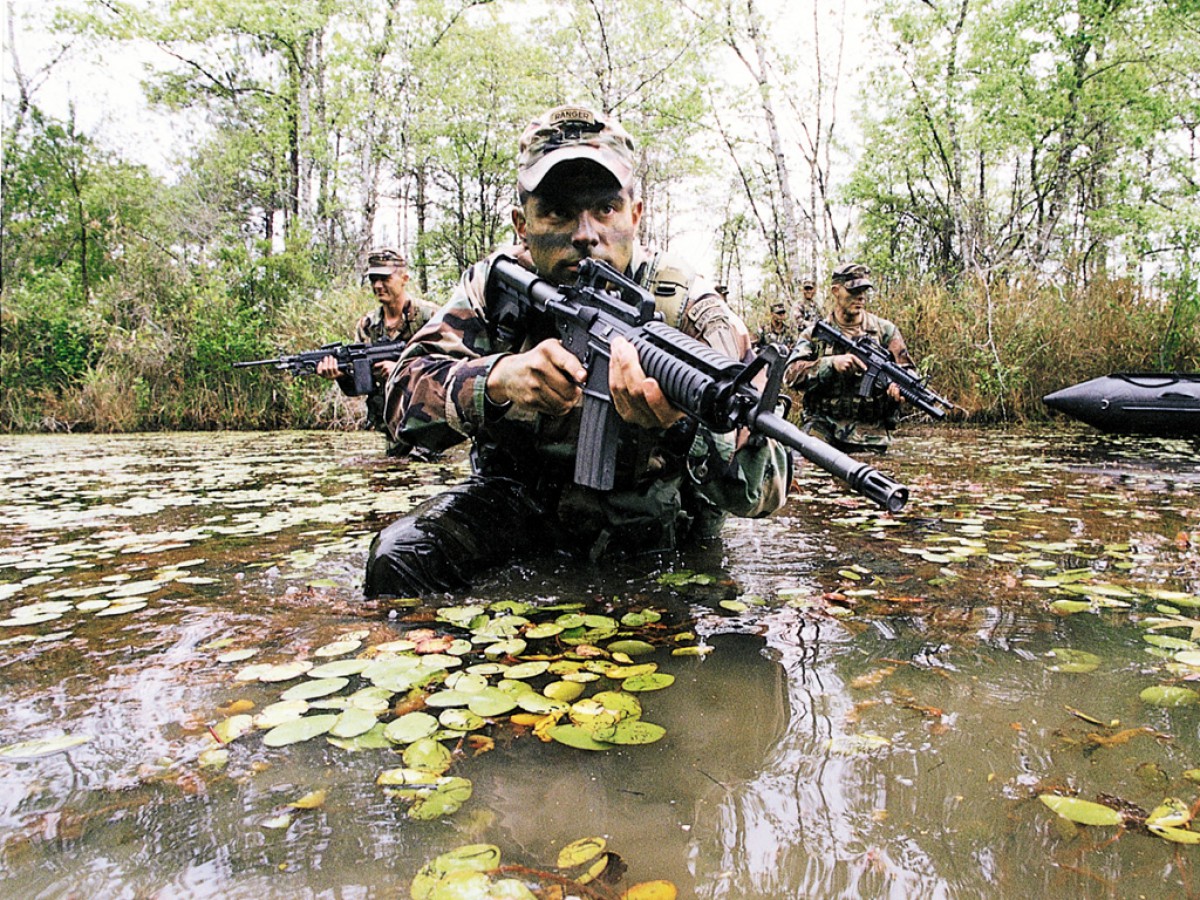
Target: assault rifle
<point>356,359</point>
<point>707,385</point>
<point>882,370</point>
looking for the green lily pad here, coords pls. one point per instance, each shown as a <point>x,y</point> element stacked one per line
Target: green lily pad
<point>278,713</point>
<point>492,702</point>
<point>1070,660</point>
<point>473,858</point>
<point>352,722</point>
<point>574,736</point>
<point>427,755</point>
<point>653,682</point>
<point>233,728</point>
<point>319,687</point>
<point>411,727</point>
<point>1168,696</point>
<point>298,730</point>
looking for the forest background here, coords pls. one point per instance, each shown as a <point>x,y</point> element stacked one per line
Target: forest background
<point>1021,176</point>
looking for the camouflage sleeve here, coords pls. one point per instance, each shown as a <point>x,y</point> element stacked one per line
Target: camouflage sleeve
<point>899,350</point>
<point>741,476</point>
<point>436,393</point>
<point>807,367</point>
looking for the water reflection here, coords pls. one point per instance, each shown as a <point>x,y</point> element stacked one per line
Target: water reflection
<point>876,717</point>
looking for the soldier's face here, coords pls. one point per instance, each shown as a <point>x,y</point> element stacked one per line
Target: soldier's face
<point>849,305</point>
<point>579,211</point>
<point>389,288</point>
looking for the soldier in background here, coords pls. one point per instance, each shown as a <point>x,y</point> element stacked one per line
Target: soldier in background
<point>829,382</point>
<point>398,318</point>
<point>778,328</point>
<point>806,311</point>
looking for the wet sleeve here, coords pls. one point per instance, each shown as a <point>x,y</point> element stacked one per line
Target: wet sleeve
<point>741,475</point>
<point>436,395</point>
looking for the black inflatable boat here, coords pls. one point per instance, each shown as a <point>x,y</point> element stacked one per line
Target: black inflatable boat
<point>1134,403</point>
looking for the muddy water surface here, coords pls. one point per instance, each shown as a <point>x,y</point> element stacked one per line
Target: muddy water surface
<point>862,706</point>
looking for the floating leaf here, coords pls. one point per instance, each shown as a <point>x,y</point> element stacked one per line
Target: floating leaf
<point>411,727</point>
<point>477,858</point>
<point>352,722</point>
<point>446,798</point>
<point>427,755</point>
<point>237,655</point>
<point>632,732</point>
<point>1172,812</point>
<point>653,682</point>
<point>338,648</point>
<point>298,730</point>
<point>1070,660</point>
<point>1176,835</point>
<point>581,852</point>
<point>651,890</point>
<point>232,728</point>
<point>1169,695</point>
<point>1082,811</point>
<point>310,690</point>
<point>282,671</point>
<point>43,746</point>
<point>857,744</point>
<point>574,736</point>
<point>630,647</point>
<point>491,702</point>
<point>312,800</point>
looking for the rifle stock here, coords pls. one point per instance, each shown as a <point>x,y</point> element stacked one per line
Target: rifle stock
<point>702,382</point>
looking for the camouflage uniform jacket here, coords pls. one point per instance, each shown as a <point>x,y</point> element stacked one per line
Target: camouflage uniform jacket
<point>832,409</point>
<point>669,483</point>
<point>372,329</point>
<point>772,334</point>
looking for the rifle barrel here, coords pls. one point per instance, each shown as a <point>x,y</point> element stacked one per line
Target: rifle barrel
<point>861,476</point>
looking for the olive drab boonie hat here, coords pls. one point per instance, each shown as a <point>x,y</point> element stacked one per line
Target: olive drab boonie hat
<point>852,276</point>
<point>573,132</point>
<point>385,261</point>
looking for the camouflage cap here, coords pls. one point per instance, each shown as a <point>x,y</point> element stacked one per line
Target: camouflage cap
<point>573,132</point>
<point>385,261</point>
<point>852,276</point>
<point>778,308</point>
<point>808,281</point>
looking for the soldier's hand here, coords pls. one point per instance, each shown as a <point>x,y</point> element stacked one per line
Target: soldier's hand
<point>638,400</point>
<point>328,368</point>
<point>383,368</point>
<point>547,379</point>
<point>893,391</point>
<point>847,362</point>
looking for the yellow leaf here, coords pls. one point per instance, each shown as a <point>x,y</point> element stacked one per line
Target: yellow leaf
<point>581,851</point>
<point>311,800</point>
<point>651,890</point>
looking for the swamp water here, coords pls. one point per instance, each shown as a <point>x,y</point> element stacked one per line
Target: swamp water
<point>861,705</point>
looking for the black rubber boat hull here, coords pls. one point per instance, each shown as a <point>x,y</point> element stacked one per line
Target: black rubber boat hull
<point>1134,403</point>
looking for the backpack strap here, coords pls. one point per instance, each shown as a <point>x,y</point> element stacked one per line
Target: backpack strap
<point>669,279</point>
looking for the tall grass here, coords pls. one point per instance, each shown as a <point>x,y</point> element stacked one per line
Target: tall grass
<point>157,350</point>
<point>998,349</point>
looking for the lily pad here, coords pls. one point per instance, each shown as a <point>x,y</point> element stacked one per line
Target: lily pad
<point>1067,659</point>
<point>298,730</point>
<point>319,687</point>
<point>1169,695</point>
<point>410,727</point>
